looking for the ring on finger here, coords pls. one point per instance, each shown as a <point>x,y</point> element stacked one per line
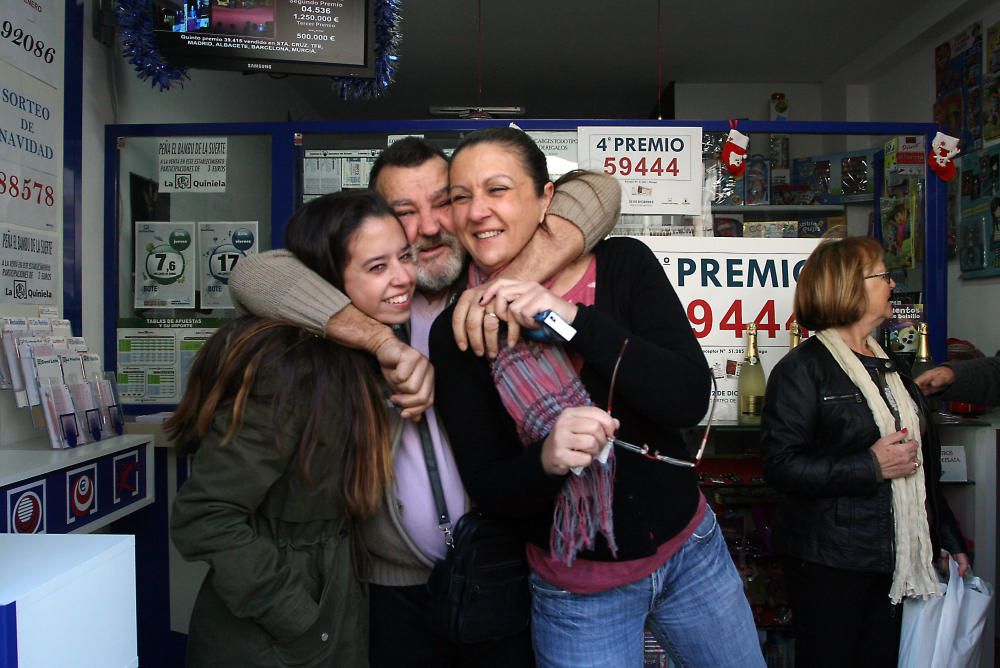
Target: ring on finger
<point>491,314</point>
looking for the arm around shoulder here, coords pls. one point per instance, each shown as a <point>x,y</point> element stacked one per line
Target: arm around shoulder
<point>591,202</point>
<point>276,284</point>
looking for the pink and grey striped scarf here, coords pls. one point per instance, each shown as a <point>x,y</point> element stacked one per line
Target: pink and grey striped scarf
<point>536,383</point>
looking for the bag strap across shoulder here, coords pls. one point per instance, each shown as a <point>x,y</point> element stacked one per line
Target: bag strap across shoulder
<point>443,519</point>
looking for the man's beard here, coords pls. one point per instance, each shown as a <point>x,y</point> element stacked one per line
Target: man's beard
<point>442,272</point>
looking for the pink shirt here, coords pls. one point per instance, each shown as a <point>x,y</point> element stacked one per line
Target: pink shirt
<point>590,577</point>
<point>413,487</point>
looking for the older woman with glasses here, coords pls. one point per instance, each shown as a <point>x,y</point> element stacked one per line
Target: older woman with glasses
<point>845,435</point>
<point>617,539</point>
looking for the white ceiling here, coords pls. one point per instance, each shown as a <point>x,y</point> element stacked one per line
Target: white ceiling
<point>591,58</point>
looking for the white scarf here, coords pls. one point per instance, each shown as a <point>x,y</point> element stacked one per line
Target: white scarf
<point>914,576</point>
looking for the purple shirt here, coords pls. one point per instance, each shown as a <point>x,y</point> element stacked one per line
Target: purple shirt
<point>413,487</point>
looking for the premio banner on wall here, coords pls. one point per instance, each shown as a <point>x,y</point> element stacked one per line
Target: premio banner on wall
<point>725,283</point>
<point>192,164</point>
<point>29,266</point>
<point>659,168</point>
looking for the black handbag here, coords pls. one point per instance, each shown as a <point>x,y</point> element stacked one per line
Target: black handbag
<point>479,591</point>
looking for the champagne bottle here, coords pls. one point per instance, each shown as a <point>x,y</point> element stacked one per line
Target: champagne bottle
<point>794,336</point>
<point>923,361</point>
<point>750,387</point>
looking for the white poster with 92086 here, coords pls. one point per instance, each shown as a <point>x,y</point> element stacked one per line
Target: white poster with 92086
<point>726,283</point>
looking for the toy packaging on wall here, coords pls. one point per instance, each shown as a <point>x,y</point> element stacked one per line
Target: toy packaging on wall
<point>958,68</point>
<point>991,107</point>
<point>834,178</point>
<point>898,215</point>
<point>901,328</point>
<point>979,229</point>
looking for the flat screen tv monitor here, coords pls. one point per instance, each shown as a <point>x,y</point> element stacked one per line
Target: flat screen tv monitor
<point>318,37</point>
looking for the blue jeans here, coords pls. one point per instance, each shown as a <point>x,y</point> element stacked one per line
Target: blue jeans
<point>694,605</point>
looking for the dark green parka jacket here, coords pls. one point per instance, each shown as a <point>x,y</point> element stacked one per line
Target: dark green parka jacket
<point>283,586</point>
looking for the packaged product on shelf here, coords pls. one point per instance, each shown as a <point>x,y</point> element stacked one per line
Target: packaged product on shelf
<point>789,194</point>
<point>855,176</point>
<point>833,177</point>
<point>728,225</point>
<point>814,175</point>
<point>904,155</point>
<point>772,229</point>
<point>778,110</point>
<point>757,180</point>
<point>812,228</point>
<point>724,188</point>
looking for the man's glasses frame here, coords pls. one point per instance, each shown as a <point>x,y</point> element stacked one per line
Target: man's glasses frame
<point>644,449</point>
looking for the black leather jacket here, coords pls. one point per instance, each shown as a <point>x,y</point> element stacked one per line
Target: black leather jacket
<point>816,435</point>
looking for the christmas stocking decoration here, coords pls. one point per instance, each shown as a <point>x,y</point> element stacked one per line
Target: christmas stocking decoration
<point>734,152</point>
<point>944,148</point>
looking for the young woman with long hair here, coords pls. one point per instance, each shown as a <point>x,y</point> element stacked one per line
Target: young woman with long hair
<point>291,439</point>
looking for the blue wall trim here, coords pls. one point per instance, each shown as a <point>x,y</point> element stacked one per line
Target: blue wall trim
<point>8,635</point>
<point>72,278</point>
<point>286,161</point>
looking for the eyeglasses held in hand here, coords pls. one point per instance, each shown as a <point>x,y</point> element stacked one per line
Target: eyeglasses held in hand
<point>644,449</point>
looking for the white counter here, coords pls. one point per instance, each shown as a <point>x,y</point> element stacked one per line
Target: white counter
<point>68,600</point>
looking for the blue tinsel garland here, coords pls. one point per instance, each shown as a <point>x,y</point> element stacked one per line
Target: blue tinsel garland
<point>139,46</point>
<point>135,31</point>
<point>387,39</point>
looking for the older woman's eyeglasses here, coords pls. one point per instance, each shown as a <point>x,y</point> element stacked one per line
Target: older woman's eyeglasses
<point>644,449</point>
<point>887,276</point>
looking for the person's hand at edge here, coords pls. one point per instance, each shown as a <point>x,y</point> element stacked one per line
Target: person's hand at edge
<point>935,380</point>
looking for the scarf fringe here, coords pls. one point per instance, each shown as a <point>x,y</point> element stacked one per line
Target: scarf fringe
<point>580,514</point>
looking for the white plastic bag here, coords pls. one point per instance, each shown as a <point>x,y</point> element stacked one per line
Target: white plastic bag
<point>944,631</point>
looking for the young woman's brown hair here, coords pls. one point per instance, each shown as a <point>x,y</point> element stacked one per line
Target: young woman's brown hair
<point>280,360</point>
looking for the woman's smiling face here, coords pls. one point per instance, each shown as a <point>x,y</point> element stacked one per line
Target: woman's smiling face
<point>495,204</point>
<point>380,276</point>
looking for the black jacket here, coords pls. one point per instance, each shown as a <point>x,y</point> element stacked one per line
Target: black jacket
<point>663,385</point>
<point>816,435</point>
